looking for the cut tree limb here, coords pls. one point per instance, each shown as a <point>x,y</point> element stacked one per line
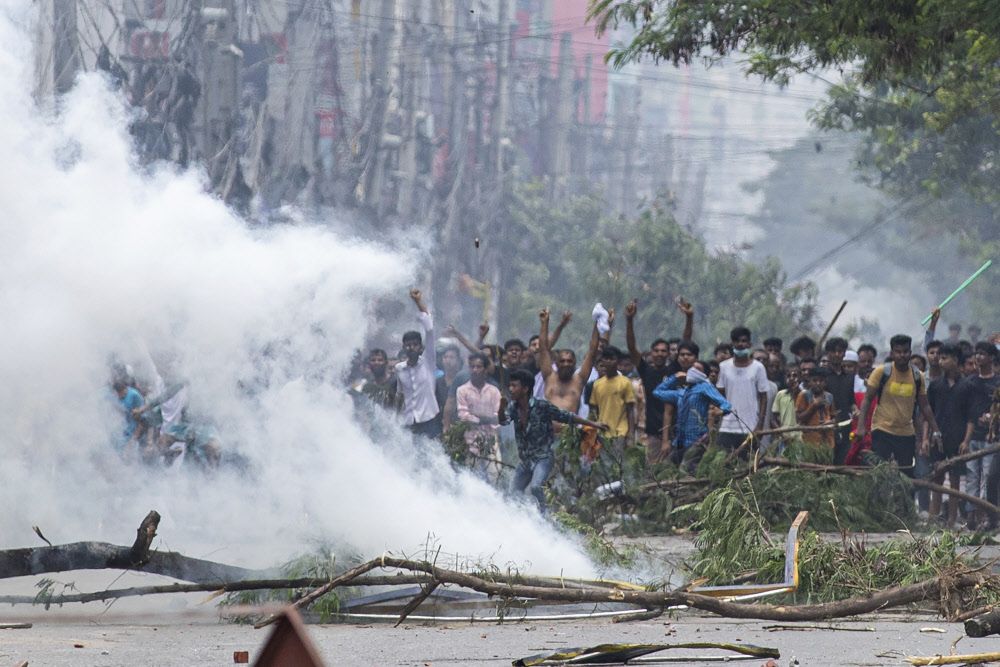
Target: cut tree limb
<point>212,587</point>
<point>955,493</point>
<point>858,471</point>
<point>425,592</point>
<point>941,466</point>
<point>139,553</point>
<point>985,625</point>
<point>893,597</point>
<point>103,556</point>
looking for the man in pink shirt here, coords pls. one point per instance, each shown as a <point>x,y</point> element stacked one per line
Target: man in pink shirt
<point>478,403</point>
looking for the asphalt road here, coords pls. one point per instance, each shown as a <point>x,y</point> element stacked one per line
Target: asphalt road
<point>115,643</point>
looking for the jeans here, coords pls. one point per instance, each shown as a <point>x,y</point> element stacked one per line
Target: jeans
<point>531,476</point>
<point>977,471</point>
<point>921,470</point>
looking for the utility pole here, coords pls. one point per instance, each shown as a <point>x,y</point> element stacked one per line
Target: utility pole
<point>371,180</point>
<point>564,116</point>
<point>585,126</point>
<point>502,104</point>
<point>411,73</point>
<point>631,132</point>
<point>65,49</point>
<point>220,81</point>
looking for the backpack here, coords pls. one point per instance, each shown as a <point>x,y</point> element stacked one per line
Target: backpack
<point>918,378</point>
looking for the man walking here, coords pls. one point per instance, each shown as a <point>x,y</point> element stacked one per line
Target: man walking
<point>534,434</point>
<point>900,390</point>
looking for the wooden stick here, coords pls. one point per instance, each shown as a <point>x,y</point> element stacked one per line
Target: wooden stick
<point>941,466</point>
<point>969,658</point>
<point>425,592</point>
<point>954,493</point>
<point>972,613</point>
<point>341,580</point>
<point>822,339</point>
<point>856,471</point>
<point>210,587</point>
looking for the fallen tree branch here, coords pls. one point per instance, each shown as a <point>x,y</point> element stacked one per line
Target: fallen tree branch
<point>955,493</point>
<point>103,556</point>
<point>211,587</point>
<point>941,466</point>
<point>221,587</point>
<point>139,553</point>
<point>984,625</point>
<point>893,597</point>
<point>425,592</point>
<point>859,471</point>
<point>832,426</point>
<point>813,467</point>
<point>972,613</point>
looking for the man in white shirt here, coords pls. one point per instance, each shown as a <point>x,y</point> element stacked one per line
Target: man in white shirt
<point>415,376</point>
<point>743,381</point>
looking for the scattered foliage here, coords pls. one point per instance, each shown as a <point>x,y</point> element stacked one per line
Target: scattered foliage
<point>735,542</point>
<point>321,564</point>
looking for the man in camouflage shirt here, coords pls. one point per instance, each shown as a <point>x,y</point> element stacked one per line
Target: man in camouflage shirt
<point>532,418</point>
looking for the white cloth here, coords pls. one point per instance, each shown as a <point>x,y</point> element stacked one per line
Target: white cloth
<point>417,382</point>
<point>741,386</point>
<point>694,376</point>
<point>602,319</point>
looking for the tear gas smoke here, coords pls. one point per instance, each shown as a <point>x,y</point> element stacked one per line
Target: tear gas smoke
<point>99,258</point>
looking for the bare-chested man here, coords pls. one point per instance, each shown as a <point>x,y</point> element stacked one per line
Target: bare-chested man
<point>564,386</point>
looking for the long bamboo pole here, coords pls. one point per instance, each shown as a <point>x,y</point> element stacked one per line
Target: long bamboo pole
<point>968,281</point>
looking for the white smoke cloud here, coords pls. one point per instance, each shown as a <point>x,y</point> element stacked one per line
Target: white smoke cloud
<point>99,257</point>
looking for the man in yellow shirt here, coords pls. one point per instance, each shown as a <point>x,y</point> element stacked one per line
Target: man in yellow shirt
<point>900,391</point>
<point>613,400</point>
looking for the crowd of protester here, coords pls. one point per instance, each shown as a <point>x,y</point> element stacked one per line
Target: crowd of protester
<point>158,427</point>
<point>833,403</point>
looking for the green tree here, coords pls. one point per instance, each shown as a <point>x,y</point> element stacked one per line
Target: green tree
<point>921,88</point>
<point>573,256</point>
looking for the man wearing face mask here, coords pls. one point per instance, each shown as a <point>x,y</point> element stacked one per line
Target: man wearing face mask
<point>692,396</point>
<point>743,382</point>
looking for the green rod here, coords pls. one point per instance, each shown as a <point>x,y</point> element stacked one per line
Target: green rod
<point>961,287</point>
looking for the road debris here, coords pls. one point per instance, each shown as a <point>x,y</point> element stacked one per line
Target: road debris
<point>969,658</point>
<point>777,628</point>
<point>622,653</point>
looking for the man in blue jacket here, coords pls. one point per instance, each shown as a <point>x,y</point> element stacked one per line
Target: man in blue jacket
<point>692,395</point>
